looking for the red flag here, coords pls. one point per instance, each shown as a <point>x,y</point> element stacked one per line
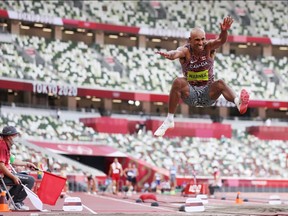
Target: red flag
<point>50,188</point>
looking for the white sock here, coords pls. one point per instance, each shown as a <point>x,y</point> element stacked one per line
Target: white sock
<point>237,102</point>
<point>170,117</point>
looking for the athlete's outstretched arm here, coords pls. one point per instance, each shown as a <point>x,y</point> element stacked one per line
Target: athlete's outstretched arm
<point>173,54</point>
<point>222,38</point>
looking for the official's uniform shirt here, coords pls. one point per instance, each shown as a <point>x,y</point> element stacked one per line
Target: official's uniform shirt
<point>4,155</point>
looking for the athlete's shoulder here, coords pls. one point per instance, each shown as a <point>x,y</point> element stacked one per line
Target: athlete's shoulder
<point>184,47</point>
<point>208,51</point>
<point>207,45</point>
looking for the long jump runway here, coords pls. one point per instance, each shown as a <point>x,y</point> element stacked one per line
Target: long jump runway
<point>108,204</point>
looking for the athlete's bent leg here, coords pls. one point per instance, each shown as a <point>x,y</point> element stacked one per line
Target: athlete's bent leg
<point>220,87</point>
<point>179,88</point>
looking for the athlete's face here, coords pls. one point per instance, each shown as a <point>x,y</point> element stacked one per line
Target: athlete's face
<point>197,40</point>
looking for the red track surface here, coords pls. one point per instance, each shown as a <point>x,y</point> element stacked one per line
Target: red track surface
<point>168,205</point>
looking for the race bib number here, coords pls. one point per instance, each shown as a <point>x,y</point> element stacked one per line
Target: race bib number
<point>197,76</point>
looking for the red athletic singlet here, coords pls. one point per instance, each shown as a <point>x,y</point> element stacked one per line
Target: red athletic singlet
<point>198,70</point>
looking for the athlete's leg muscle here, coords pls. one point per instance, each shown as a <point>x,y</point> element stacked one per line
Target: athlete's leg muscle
<point>179,89</point>
<point>220,87</point>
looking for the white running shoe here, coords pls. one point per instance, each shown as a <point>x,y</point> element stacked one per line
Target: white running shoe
<point>164,127</point>
<point>19,206</point>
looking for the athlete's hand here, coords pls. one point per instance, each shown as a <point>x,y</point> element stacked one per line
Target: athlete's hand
<point>16,180</point>
<point>164,54</point>
<point>227,22</point>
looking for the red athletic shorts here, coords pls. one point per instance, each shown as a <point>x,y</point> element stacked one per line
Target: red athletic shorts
<point>115,176</point>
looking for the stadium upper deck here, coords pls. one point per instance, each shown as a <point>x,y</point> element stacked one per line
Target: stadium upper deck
<point>104,62</point>
<point>254,18</point>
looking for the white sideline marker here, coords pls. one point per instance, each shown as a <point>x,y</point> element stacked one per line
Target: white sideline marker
<point>72,204</point>
<point>194,205</point>
<point>274,200</point>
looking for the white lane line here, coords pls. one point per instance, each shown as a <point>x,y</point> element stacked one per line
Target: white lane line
<point>93,212</point>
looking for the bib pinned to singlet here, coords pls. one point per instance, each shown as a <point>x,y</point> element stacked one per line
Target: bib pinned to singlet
<point>197,76</point>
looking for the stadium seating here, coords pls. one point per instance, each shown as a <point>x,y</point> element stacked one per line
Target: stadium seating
<point>17,64</point>
<point>268,20</point>
<point>131,68</point>
<point>21,152</point>
<point>49,128</point>
<point>46,128</point>
<point>243,72</point>
<point>49,8</point>
<point>277,71</point>
<point>139,68</point>
<point>29,154</point>
<point>240,156</point>
<point>251,18</point>
<point>143,67</point>
<point>63,62</point>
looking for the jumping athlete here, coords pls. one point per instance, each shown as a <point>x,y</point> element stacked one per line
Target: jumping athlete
<point>197,87</point>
